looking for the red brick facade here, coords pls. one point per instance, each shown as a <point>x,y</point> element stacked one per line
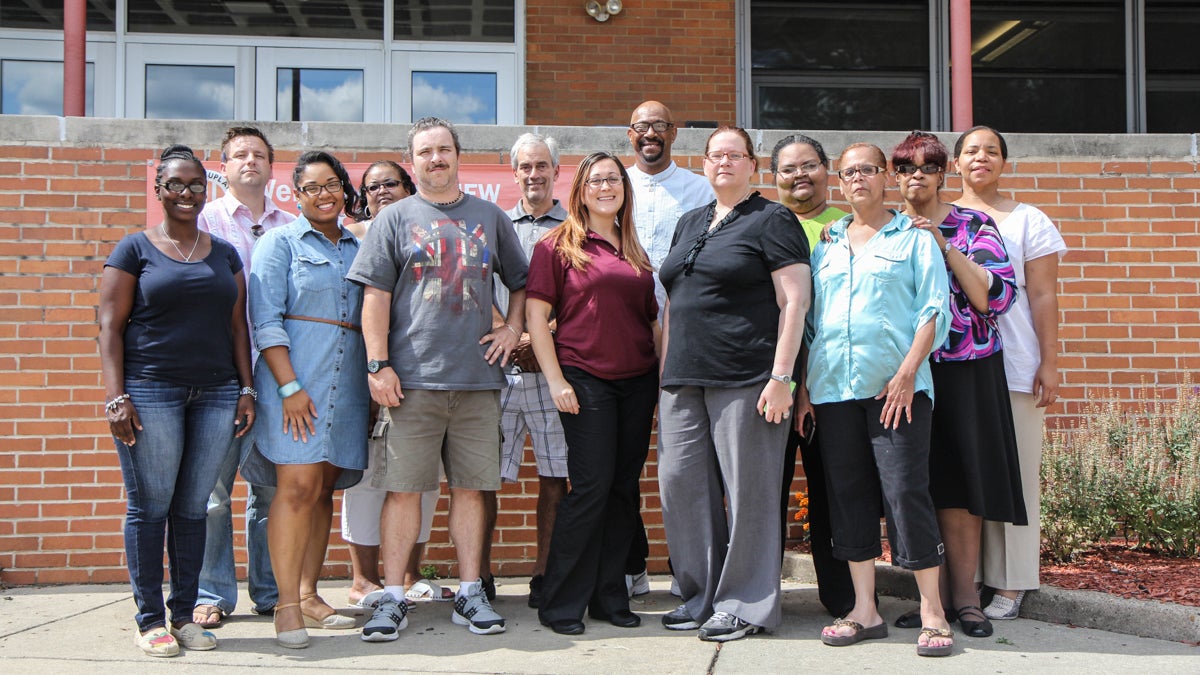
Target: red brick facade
<point>1130,307</point>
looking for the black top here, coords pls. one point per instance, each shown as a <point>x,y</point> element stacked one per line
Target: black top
<point>724,318</point>
<point>180,327</point>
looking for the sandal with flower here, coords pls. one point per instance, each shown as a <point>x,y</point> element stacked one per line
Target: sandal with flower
<point>875,632</point>
<point>935,650</point>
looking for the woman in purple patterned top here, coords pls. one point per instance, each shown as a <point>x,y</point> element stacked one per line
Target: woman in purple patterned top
<point>973,469</point>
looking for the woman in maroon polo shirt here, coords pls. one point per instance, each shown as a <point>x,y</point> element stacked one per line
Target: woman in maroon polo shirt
<point>593,276</point>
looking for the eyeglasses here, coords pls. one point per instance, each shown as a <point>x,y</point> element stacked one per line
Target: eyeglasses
<point>805,168</point>
<point>867,170</point>
<point>374,187</point>
<point>716,156</point>
<point>178,186</point>
<point>643,127</point>
<point>927,169</point>
<point>333,187</point>
<point>612,181</point>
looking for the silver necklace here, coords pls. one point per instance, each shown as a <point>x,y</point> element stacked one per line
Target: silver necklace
<point>188,257</point>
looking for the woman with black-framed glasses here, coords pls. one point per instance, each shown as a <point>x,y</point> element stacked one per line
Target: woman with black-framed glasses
<point>737,281</point>
<point>175,357</point>
<point>313,376</point>
<point>879,308</point>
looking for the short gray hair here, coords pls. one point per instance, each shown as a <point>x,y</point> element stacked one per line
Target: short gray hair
<point>427,123</point>
<point>527,139</point>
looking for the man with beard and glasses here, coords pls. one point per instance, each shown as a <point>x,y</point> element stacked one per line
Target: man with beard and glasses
<point>526,404</point>
<point>240,218</point>
<point>662,192</point>
<point>801,171</point>
<point>435,362</point>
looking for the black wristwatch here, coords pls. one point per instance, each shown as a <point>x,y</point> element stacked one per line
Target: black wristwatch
<point>374,366</point>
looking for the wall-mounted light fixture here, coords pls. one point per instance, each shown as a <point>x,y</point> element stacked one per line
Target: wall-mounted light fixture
<point>600,11</point>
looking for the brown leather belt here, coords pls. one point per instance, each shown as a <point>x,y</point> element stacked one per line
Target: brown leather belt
<point>315,319</point>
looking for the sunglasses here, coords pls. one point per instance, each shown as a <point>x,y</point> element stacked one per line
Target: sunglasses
<point>389,184</point>
<point>927,169</point>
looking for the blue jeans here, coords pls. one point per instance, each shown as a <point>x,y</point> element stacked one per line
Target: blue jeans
<point>218,578</point>
<point>169,473</point>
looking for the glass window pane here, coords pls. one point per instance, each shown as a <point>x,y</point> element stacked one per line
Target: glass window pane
<point>462,98</point>
<point>48,14</point>
<point>461,20</point>
<point>1172,71</point>
<point>843,108</point>
<point>1049,66</point>
<point>840,65</point>
<point>348,19</point>
<point>36,88</point>
<point>320,94</point>
<point>189,92</point>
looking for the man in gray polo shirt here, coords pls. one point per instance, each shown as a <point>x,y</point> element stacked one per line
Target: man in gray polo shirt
<point>434,360</point>
<point>528,408</point>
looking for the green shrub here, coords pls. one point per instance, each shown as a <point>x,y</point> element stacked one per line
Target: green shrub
<point>1128,469</point>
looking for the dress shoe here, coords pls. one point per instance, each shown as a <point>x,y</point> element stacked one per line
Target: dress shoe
<point>565,626</point>
<point>621,619</point>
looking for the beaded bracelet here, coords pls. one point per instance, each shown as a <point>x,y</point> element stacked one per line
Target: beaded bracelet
<point>111,406</point>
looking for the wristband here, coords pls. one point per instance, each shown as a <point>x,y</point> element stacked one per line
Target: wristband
<point>514,330</point>
<point>289,388</point>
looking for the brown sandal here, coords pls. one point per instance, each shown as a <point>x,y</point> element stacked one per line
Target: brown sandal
<point>931,650</point>
<point>208,616</point>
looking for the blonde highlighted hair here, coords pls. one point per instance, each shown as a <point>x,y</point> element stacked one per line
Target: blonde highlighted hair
<point>570,236</point>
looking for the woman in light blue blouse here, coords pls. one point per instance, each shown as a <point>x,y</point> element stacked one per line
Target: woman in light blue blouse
<point>879,309</point>
<point>312,435</point>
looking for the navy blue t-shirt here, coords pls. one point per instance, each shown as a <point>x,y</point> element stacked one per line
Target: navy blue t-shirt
<point>180,327</point>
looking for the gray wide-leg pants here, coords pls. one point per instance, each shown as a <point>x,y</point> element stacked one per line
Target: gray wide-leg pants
<point>714,447</point>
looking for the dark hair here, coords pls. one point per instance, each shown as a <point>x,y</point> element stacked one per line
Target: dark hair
<point>237,132</point>
<point>726,128</point>
<point>920,143</point>
<point>406,180</point>
<point>958,145</point>
<point>322,157</point>
<point>797,139</point>
<point>181,153</point>
<point>427,123</point>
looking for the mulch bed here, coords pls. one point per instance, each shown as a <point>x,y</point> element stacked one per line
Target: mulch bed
<point>1117,570</point>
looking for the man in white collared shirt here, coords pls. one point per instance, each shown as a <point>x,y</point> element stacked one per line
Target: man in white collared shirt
<point>240,217</point>
<point>662,192</point>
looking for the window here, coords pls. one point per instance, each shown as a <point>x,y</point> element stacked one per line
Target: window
<point>346,19</point>
<point>458,20</point>
<point>1049,66</point>
<point>461,98</point>
<point>48,14</point>
<point>1172,66</point>
<point>312,94</point>
<point>189,92</point>
<point>36,88</point>
<point>840,65</point>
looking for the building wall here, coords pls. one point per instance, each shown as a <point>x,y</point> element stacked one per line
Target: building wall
<point>71,188</point>
<point>583,72</point>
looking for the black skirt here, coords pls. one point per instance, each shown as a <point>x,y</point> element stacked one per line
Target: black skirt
<point>973,450</point>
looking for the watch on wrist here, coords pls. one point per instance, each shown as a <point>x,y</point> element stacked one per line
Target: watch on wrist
<point>249,390</point>
<point>374,366</point>
<point>786,379</point>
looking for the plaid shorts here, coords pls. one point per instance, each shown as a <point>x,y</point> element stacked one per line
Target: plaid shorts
<point>528,409</point>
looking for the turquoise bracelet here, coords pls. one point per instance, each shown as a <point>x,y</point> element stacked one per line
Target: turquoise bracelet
<point>289,388</point>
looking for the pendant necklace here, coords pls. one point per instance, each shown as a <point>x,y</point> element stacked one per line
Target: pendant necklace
<point>188,257</point>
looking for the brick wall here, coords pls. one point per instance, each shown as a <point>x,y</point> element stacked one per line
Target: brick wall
<point>582,72</point>
<point>1129,302</point>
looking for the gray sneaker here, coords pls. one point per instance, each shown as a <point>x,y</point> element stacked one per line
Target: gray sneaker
<point>476,613</point>
<point>389,618</point>
<point>679,619</point>
<point>723,626</point>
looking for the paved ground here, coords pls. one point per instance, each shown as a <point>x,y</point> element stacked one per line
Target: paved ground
<point>89,629</point>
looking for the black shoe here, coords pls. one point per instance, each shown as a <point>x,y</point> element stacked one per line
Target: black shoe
<point>489,587</point>
<point>565,626</point>
<point>620,619</point>
<point>535,591</point>
<point>977,629</point>
<point>913,619</point>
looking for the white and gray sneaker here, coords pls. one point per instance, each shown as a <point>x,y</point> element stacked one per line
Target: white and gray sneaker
<point>389,618</point>
<point>723,626</point>
<point>637,584</point>
<point>679,619</point>
<point>476,613</point>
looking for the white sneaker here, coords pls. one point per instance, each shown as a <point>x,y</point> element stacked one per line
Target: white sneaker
<point>194,636</point>
<point>723,627</point>
<point>1004,609</point>
<point>637,584</point>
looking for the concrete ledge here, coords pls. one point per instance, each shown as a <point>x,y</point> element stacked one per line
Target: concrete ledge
<point>1088,609</point>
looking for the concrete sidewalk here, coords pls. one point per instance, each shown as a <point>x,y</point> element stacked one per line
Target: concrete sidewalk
<point>89,629</point>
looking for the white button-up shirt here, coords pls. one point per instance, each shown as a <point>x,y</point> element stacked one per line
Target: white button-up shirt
<point>230,220</point>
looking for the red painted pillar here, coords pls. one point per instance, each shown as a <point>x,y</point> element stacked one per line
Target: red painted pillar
<point>961,114</point>
<point>74,57</point>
